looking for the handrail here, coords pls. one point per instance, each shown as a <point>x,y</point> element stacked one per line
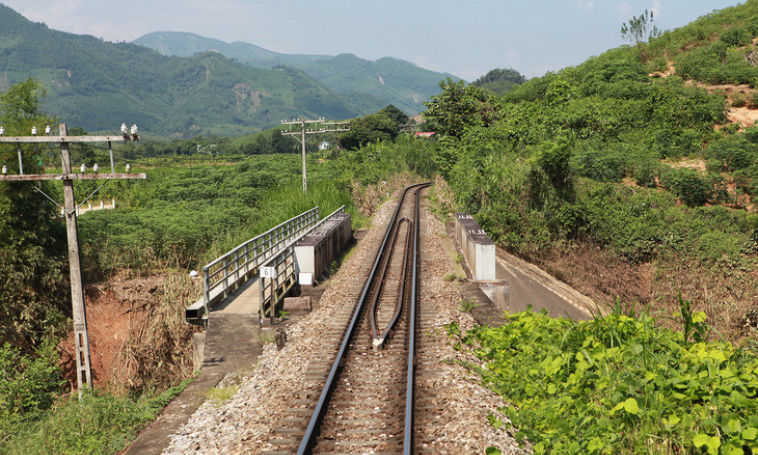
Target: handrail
<point>250,255</point>
<point>272,292</point>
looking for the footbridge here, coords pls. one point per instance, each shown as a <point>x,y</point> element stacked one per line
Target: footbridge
<point>257,275</point>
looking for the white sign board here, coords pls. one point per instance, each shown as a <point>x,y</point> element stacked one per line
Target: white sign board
<point>305,279</point>
<point>268,272</point>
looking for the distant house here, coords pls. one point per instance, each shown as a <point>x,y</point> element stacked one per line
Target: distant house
<point>425,134</point>
<point>323,146</point>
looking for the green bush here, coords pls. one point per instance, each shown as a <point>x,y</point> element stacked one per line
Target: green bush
<point>646,174</point>
<point>735,152</point>
<point>620,384</point>
<point>688,185</point>
<point>736,36</point>
<point>28,385</point>
<point>98,424</point>
<point>600,165</point>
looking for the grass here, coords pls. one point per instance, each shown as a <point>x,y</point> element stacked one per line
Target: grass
<point>468,305</point>
<point>100,423</point>
<point>219,395</point>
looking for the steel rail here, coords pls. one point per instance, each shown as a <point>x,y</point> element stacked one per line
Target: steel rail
<point>378,340</point>
<point>411,377</point>
<point>309,438</point>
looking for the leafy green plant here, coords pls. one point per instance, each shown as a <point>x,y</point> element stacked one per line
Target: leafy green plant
<point>468,305</point>
<point>28,385</point>
<point>620,384</point>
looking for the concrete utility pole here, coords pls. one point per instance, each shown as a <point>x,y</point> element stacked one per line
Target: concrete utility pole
<point>325,128</point>
<point>83,365</point>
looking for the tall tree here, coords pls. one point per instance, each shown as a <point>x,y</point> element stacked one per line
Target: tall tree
<point>458,106</point>
<point>509,75</point>
<point>640,30</point>
<point>33,269</point>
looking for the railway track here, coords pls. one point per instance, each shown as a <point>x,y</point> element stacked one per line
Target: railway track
<point>360,397</point>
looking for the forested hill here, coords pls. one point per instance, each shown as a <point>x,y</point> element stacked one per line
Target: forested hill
<point>394,81</point>
<point>99,85</point>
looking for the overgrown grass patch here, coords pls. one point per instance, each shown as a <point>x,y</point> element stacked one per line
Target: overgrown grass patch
<point>620,384</point>
<point>100,424</point>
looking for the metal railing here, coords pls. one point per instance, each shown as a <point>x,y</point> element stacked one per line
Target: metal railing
<point>235,267</point>
<point>281,271</point>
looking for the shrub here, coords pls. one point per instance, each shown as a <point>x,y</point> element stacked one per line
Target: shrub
<point>646,174</point>
<point>736,36</point>
<point>603,166</point>
<point>688,185</point>
<point>620,384</point>
<point>28,384</point>
<point>735,152</point>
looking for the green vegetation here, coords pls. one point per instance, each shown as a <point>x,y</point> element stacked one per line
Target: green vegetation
<point>382,126</point>
<point>203,94</point>
<point>620,384</point>
<point>717,48</point>
<point>99,424</point>
<point>33,254</point>
<point>602,158</point>
<point>500,81</point>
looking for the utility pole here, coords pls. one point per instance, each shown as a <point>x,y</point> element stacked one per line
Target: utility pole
<point>82,352</point>
<point>325,127</point>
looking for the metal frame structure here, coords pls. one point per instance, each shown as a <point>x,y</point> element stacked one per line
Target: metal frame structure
<point>234,268</point>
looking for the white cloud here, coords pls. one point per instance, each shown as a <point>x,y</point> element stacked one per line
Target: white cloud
<point>624,10</point>
<point>584,5</point>
<point>656,8</point>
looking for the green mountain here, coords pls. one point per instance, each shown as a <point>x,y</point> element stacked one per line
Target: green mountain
<point>100,85</point>
<point>182,44</point>
<point>394,81</point>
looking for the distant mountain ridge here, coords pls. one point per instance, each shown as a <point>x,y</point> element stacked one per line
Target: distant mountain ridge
<point>185,44</point>
<point>98,85</point>
<point>395,81</point>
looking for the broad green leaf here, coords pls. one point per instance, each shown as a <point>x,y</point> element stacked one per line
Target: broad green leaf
<point>698,317</point>
<point>700,440</point>
<point>749,434</point>
<point>631,406</point>
<point>733,426</point>
<point>493,451</point>
<point>714,443</point>
<point>551,389</point>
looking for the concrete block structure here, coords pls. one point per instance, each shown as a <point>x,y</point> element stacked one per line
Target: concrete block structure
<point>477,248</point>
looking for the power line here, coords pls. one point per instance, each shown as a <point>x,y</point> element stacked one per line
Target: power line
<point>82,351</point>
<point>326,127</point>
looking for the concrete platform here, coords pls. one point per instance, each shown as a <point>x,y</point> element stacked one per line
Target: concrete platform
<point>245,300</point>
<point>233,344</point>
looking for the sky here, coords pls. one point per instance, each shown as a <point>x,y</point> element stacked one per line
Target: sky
<point>463,38</point>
